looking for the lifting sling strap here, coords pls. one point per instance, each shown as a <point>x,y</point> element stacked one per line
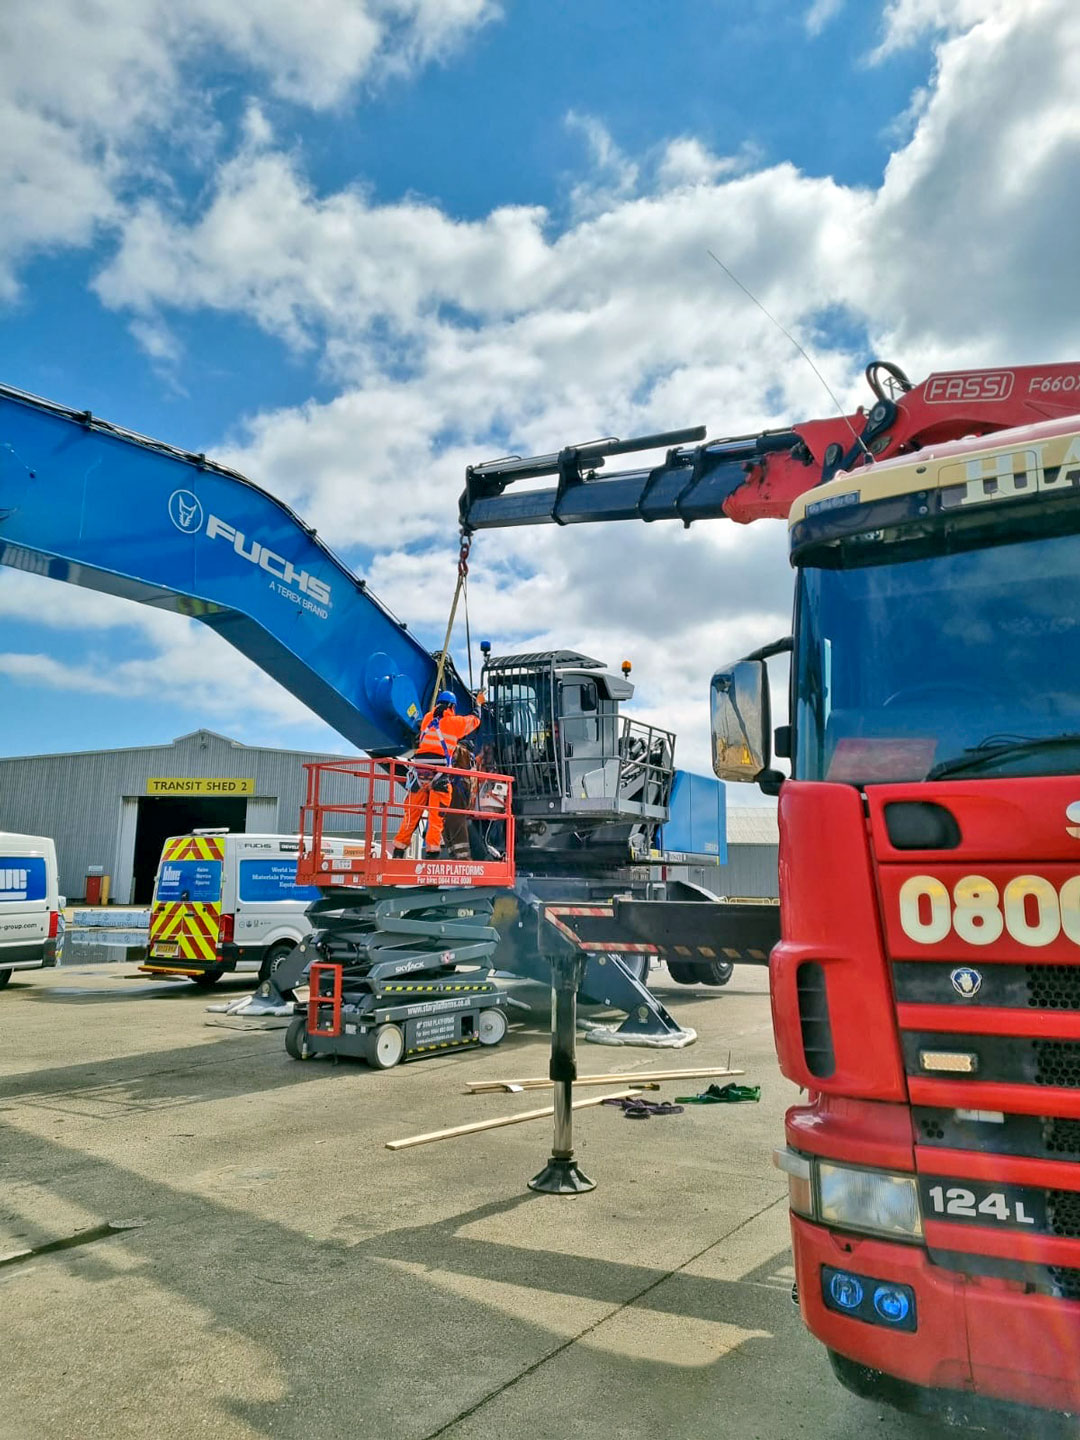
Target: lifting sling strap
<point>461,587</point>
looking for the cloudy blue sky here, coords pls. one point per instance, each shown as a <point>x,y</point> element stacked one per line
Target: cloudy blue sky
<point>351,245</point>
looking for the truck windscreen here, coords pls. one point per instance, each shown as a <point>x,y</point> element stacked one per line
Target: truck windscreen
<point>954,660</point>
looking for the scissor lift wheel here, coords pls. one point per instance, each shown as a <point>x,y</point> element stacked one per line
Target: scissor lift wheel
<point>296,1039</point>
<point>385,1047</point>
<point>490,1027</point>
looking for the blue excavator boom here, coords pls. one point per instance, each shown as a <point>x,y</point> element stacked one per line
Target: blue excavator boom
<point>87,502</point>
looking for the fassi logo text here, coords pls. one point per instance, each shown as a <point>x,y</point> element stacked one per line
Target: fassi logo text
<point>269,560</point>
<point>972,385</point>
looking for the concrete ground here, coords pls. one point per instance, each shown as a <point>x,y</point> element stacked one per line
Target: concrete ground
<point>288,1276</point>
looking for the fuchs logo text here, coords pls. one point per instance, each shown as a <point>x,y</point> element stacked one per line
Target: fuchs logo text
<point>274,564</point>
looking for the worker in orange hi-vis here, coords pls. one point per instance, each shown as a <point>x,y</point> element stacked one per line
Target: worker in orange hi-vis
<point>440,730</point>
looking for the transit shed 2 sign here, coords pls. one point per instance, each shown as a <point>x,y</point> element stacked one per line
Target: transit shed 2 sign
<point>199,785</point>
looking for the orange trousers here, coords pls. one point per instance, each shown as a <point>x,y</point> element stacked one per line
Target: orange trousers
<point>416,802</point>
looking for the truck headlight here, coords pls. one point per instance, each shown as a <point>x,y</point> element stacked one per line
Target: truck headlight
<point>870,1200</point>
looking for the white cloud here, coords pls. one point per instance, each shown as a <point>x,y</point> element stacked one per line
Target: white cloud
<point>182,664</point>
<point>613,176</point>
<point>970,256</point>
<point>821,14</point>
<point>907,21</point>
<point>226,687</point>
<point>686,161</point>
<point>443,334</point>
<point>449,340</point>
<point>86,89</point>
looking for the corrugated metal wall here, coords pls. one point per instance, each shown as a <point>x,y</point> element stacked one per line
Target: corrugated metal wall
<point>752,871</point>
<point>77,798</point>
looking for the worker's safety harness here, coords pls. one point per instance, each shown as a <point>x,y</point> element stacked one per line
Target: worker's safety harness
<point>429,776</point>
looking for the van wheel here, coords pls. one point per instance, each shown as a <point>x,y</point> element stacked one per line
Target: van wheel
<point>273,958</point>
<point>207,979</point>
<point>5,976</point>
<point>296,1039</point>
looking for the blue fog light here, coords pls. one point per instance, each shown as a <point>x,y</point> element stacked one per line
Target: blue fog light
<point>892,1304</point>
<point>846,1290</point>
<point>870,1299</point>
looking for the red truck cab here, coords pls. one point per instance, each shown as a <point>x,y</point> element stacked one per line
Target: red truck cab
<point>926,989</point>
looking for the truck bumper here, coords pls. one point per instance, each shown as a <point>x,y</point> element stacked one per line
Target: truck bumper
<point>979,1335</point>
<point>190,968</point>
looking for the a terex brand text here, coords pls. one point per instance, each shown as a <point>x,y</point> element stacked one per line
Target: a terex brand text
<point>274,564</point>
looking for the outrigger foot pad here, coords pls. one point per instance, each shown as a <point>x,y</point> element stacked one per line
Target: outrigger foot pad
<point>561,1177</point>
<point>264,1002</point>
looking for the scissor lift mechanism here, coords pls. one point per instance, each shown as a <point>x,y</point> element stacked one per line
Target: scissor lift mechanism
<point>389,935</point>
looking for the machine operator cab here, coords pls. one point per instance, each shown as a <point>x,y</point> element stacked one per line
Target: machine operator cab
<point>576,762</point>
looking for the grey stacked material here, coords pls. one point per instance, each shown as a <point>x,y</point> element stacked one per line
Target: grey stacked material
<point>111,918</point>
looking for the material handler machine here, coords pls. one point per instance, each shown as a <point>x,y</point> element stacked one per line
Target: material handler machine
<point>86,502</point>
<point>926,989</point>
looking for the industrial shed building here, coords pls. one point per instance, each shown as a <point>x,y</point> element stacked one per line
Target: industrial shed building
<point>753,854</point>
<point>113,808</point>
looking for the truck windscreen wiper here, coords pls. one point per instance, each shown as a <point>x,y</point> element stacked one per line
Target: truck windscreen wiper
<point>999,747</point>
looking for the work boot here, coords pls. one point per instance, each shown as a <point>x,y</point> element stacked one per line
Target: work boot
<point>398,852</point>
<point>432,854</point>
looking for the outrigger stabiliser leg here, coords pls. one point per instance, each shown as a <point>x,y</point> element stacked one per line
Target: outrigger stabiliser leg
<point>562,1175</point>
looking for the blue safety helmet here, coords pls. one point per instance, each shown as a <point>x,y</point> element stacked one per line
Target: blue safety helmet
<point>446,697</point>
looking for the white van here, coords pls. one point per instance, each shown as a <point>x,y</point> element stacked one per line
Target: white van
<point>31,910</point>
<point>226,902</point>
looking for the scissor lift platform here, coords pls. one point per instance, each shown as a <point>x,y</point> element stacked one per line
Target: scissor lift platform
<point>362,802</point>
<point>390,934</point>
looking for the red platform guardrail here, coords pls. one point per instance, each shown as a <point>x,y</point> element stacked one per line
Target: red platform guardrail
<point>355,808</point>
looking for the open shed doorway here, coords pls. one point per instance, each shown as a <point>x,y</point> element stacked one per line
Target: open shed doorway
<point>163,815</point>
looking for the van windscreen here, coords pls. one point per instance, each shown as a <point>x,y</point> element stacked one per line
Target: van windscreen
<point>22,877</point>
<point>198,880</point>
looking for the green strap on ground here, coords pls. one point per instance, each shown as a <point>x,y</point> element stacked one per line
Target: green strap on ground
<point>730,1094</point>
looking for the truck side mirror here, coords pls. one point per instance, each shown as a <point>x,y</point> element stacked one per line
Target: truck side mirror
<point>741,722</point>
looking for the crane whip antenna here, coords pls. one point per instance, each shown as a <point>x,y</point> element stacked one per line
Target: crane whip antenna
<point>787,333</point>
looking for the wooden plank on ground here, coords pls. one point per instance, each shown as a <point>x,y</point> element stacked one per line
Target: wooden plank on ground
<point>457,1130</point>
<point>541,1082</point>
